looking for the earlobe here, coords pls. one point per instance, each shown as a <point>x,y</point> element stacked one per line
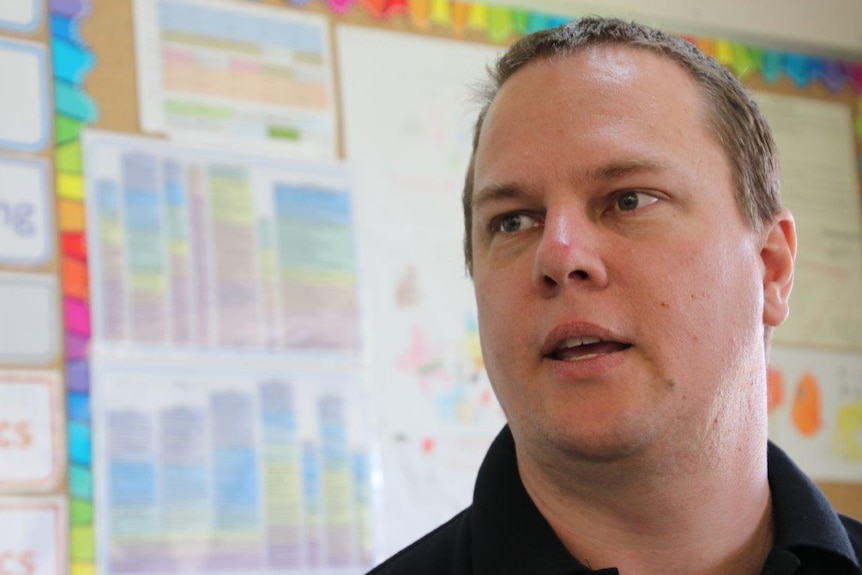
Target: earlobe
<point>778,254</point>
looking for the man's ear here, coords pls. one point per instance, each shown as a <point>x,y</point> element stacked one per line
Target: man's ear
<point>778,254</point>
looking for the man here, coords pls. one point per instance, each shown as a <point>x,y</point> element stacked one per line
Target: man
<point>630,256</point>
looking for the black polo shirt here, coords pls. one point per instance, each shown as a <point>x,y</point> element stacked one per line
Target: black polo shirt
<point>503,533</point>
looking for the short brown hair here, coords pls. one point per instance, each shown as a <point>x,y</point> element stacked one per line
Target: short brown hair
<point>734,118</point>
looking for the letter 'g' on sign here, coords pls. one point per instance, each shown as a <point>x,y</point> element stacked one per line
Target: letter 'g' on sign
<point>25,213</point>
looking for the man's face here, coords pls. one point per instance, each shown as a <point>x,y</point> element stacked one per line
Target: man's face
<point>620,292</point>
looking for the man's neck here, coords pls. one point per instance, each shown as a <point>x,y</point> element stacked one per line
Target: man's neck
<point>702,516</point>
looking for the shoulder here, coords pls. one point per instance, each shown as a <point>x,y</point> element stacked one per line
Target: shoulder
<point>854,534</point>
<point>444,551</point>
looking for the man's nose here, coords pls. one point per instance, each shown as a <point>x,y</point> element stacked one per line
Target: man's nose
<point>568,254</point>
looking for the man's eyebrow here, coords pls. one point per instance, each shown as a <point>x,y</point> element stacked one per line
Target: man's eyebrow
<point>495,192</point>
<point>606,172</point>
<point>618,170</point>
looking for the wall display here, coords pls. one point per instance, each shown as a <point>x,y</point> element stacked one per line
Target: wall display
<point>219,70</point>
<point>227,468</point>
<point>199,248</point>
<point>24,116</point>
<point>820,186</point>
<point>29,331</point>
<point>26,212</point>
<point>32,451</point>
<point>20,15</point>
<point>422,315</point>
<point>33,531</point>
<point>815,410</point>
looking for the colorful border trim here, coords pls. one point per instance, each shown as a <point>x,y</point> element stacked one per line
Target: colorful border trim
<point>73,110</point>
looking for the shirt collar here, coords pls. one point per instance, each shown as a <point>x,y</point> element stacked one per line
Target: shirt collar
<point>510,535</point>
<point>802,515</point>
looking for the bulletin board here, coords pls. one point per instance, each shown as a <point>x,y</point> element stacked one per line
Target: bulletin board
<point>360,128</point>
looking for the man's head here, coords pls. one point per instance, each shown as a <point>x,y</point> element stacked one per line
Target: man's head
<point>733,118</point>
<point>625,272</point>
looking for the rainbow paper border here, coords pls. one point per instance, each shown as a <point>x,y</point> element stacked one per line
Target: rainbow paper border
<point>74,109</point>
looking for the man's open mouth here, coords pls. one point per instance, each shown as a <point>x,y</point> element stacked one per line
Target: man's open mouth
<point>580,348</point>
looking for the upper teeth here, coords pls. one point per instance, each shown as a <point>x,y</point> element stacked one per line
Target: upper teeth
<point>578,341</point>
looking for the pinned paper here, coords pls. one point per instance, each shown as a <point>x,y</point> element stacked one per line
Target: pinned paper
<point>377,8</point>
<point>77,316</point>
<point>82,543</point>
<point>460,13</point>
<point>75,278</point>
<point>74,244</point>
<point>71,216</point>
<point>65,29</point>
<point>26,212</point>
<point>340,6</point>
<point>537,21</point>
<point>834,75</point>
<point>773,65</point>
<point>30,413</point>
<point>441,12</point>
<point>78,376</point>
<point>84,568</point>
<point>78,407</point>
<point>419,12</point>
<point>74,102</point>
<point>500,25</point>
<point>80,482</point>
<point>69,8</point>
<point>80,447</point>
<point>71,62</point>
<point>706,46</point>
<point>31,322</point>
<point>396,7</point>
<point>80,512</point>
<point>20,15</point>
<point>745,60</point>
<point>798,67</point>
<point>76,346</point>
<point>33,531</point>
<point>66,129</point>
<point>520,20</point>
<point>24,107</point>
<point>854,72</point>
<point>478,17</point>
<point>70,187</point>
<point>723,52</point>
<point>68,158</point>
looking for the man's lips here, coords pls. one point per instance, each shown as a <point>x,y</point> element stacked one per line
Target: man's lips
<point>579,341</point>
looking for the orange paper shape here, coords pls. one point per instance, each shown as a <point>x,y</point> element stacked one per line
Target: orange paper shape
<point>420,11</point>
<point>807,414</point>
<point>460,13</point>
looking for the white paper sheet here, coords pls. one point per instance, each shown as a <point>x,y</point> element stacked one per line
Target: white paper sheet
<point>225,466</point>
<point>29,319</point>
<point>196,247</point>
<point>407,133</point>
<point>20,15</point>
<point>32,450</point>
<point>26,212</point>
<point>24,114</point>
<point>820,185</point>
<point>34,535</point>
<point>213,70</point>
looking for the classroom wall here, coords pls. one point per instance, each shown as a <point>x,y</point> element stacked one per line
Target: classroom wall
<point>827,26</point>
<point>370,416</point>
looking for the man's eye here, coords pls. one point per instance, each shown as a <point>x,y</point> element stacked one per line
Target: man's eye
<point>514,223</point>
<point>629,201</point>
